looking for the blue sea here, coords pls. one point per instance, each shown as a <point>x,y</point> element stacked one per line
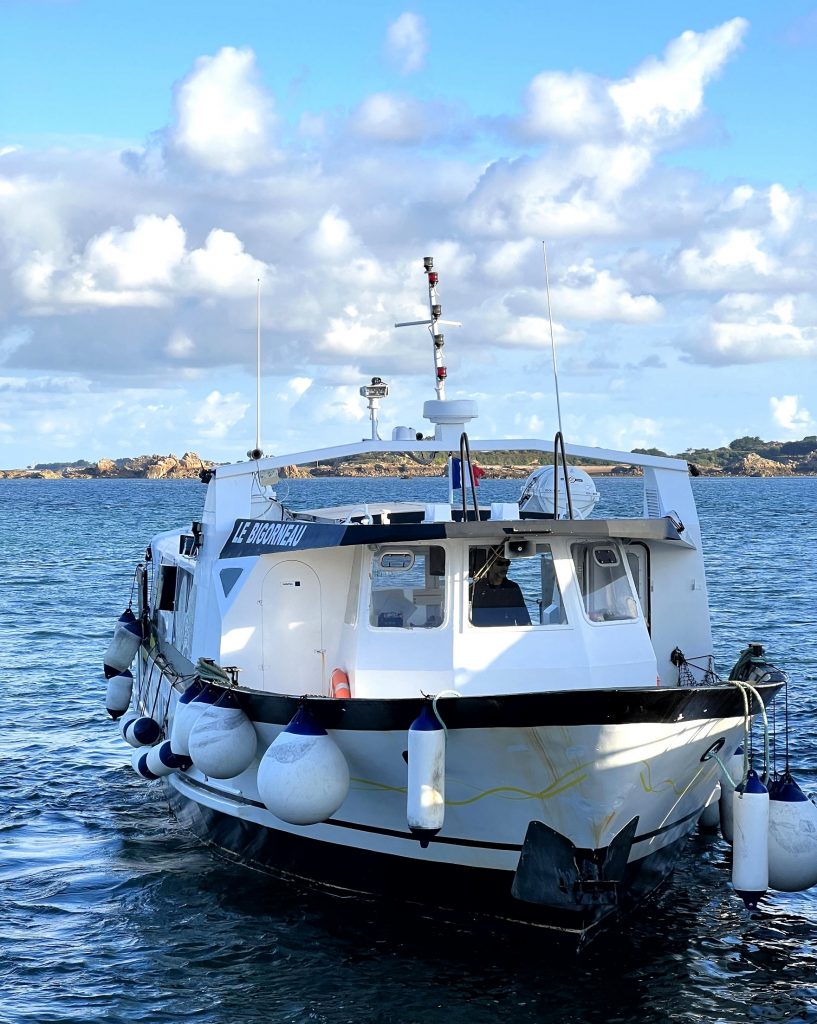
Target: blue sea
<point>110,911</point>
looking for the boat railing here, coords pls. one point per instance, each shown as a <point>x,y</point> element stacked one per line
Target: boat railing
<point>559,452</point>
<point>465,461</point>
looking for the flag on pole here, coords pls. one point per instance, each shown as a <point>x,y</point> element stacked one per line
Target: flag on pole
<point>456,474</point>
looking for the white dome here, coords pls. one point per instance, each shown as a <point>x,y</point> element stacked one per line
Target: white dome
<point>537,492</point>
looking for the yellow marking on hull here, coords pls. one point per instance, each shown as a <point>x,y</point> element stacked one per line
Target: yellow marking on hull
<point>648,786</point>
<point>556,787</point>
<point>524,794</point>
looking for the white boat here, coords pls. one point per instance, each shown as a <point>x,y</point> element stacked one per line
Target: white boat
<point>484,710</point>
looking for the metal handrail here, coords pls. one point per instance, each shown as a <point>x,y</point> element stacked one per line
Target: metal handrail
<point>465,459</point>
<point>559,445</point>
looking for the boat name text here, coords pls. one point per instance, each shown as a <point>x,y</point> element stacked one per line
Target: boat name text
<point>280,535</point>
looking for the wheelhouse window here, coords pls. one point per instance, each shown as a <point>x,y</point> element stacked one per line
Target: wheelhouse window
<point>514,592</point>
<point>605,587</point>
<point>408,587</point>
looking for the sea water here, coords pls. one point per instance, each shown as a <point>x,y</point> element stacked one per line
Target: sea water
<point>110,911</point>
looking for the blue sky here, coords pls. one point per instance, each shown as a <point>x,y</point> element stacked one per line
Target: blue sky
<point>156,159</point>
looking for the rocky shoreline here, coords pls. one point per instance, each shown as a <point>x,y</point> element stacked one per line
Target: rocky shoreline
<point>141,467</point>
<point>190,466</point>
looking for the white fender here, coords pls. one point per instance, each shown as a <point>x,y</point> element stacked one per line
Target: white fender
<point>710,817</point>
<point>118,694</point>
<point>750,848</point>
<point>139,763</point>
<point>125,721</point>
<point>125,643</point>
<point>734,765</point>
<point>222,740</point>
<point>425,798</point>
<point>303,777</point>
<point>792,838</point>
<point>188,709</point>
<point>161,760</point>
<point>141,730</point>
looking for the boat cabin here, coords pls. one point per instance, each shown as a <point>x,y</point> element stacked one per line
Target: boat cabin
<point>405,600</point>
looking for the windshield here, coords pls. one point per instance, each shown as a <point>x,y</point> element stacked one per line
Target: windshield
<point>604,585</point>
<point>408,588</point>
<point>514,592</point>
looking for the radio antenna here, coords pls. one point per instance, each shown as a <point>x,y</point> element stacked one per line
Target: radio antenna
<point>257,452</point>
<point>552,340</point>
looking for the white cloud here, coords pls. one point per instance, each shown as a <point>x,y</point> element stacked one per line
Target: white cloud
<point>784,207</point>
<point>144,257</point>
<point>731,259</point>
<point>329,401</point>
<point>746,329</point>
<point>349,336</point>
<point>393,118</point>
<point>179,345</point>
<point>224,117</point>
<point>219,413</point>
<point>148,266</point>
<point>788,413</point>
<point>656,101</point>
<point>506,260</point>
<point>333,239</point>
<point>568,105</point>
<point>662,95</point>
<point>12,341</point>
<point>222,267</point>
<point>406,42</point>
<point>623,431</point>
<point>574,193</point>
<point>586,293</point>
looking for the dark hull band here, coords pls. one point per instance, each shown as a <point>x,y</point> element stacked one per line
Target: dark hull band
<point>447,889</point>
<point>518,710</point>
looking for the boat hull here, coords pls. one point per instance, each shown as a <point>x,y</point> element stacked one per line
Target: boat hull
<point>452,892</point>
<point>563,810</point>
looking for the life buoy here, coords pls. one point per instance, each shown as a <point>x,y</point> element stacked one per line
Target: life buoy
<point>339,684</point>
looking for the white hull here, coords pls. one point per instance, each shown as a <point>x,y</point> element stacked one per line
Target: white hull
<point>584,781</point>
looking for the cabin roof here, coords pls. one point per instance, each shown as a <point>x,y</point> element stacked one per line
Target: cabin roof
<point>255,537</point>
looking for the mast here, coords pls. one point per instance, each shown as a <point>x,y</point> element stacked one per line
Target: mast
<point>433,324</point>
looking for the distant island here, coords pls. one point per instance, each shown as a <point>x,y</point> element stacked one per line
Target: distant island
<point>145,467</point>
<point>746,456</point>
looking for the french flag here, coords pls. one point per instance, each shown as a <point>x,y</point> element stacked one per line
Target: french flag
<point>455,473</point>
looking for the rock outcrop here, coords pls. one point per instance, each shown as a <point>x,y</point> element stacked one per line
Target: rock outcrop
<point>754,465</point>
<point>146,467</point>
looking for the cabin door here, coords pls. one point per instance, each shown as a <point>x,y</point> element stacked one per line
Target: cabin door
<point>292,630</point>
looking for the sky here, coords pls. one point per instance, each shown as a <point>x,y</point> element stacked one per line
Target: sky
<point>158,159</point>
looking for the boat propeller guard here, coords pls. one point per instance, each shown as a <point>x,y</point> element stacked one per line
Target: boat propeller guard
<point>555,873</point>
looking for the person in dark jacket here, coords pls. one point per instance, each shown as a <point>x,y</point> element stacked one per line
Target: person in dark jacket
<point>496,600</point>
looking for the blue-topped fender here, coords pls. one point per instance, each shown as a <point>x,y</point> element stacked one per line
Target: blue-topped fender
<point>792,837</point>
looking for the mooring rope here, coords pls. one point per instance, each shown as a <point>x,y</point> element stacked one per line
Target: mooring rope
<point>443,693</point>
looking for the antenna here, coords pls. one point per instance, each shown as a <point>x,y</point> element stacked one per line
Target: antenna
<point>257,452</point>
<point>552,341</point>
<point>435,310</point>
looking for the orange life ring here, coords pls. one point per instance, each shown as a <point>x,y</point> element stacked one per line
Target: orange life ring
<point>339,684</point>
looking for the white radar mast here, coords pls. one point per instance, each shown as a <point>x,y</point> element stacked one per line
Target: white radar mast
<point>374,392</point>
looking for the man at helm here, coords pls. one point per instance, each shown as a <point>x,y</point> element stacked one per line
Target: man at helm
<point>496,600</point>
